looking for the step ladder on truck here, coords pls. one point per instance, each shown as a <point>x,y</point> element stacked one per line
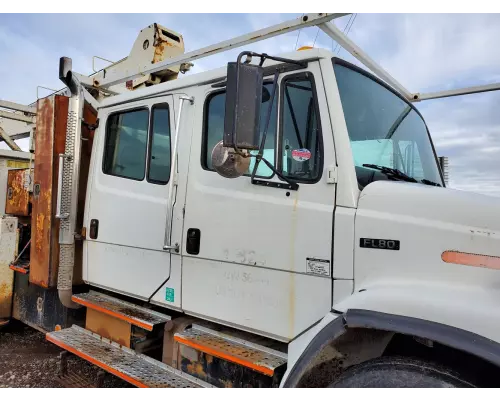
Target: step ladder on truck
<point>282,221</point>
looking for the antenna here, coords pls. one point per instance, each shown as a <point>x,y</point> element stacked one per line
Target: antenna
<point>298,35</point>
<point>345,28</point>
<point>317,33</point>
<point>348,30</point>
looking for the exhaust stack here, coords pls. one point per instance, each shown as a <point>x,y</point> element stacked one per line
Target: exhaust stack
<point>67,191</point>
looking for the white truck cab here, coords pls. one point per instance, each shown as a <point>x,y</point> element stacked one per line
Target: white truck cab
<point>295,201</point>
<point>254,256</point>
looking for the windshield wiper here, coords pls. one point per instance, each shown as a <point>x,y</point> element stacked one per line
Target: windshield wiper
<point>428,182</point>
<point>396,173</point>
<point>392,172</point>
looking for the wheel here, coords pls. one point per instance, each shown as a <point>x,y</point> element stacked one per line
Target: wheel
<point>395,372</point>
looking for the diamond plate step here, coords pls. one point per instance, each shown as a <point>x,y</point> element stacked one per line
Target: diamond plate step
<point>242,352</point>
<point>137,369</point>
<point>120,309</point>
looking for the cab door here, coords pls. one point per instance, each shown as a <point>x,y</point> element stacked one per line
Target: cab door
<point>264,257</point>
<point>126,211</point>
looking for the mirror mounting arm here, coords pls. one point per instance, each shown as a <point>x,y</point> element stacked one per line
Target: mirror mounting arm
<point>258,158</point>
<point>265,56</point>
<point>290,185</point>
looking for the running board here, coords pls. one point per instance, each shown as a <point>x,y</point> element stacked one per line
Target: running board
<point>125,311</point>
<point>137,369</point>
<point>232,349</point>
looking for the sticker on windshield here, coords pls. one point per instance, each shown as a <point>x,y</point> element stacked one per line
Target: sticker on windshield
<point>301,155</point>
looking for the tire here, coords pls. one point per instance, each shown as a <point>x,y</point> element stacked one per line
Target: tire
<point>396,372</point>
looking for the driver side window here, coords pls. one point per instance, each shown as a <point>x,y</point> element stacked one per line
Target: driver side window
<point>302,145</point>
<point>214,129</point>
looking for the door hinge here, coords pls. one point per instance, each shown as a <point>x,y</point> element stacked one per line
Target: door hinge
<point>82,235</point>
<point>91,127</point>
<point>331,175</point>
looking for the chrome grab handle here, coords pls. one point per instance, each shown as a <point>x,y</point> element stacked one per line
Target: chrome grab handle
<point>167,244</point>
<point>59,188</point>
<point>175,247</point>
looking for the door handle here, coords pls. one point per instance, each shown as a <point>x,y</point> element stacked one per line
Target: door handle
<point>175,247</point>
<point>193,241</point>
<point>94,228</point>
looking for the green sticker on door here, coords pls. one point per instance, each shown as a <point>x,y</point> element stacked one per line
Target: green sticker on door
<point>169,295</point>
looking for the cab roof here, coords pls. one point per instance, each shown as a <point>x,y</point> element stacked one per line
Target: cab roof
<point>206,77</point>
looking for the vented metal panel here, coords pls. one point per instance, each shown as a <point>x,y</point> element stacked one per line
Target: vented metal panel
<point>67,184</point>
<point>66,262</point>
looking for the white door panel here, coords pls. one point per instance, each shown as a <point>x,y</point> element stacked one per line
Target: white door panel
<point>128,254</point>
<point>112,266</point>
<point>289,222</point>
<point>136,212</point>
<point>261,299</point>
<point>252,269</point>
<point>170,293</point>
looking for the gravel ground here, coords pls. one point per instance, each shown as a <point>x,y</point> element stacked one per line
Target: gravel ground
<point>28,360</point>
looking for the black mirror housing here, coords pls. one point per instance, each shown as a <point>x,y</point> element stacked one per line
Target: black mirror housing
<point>243,103</point>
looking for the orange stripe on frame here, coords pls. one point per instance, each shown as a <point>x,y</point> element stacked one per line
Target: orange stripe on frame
<point>18,269</point>
<point>132,321</point>
<point>473,260</point>
<point>225,356</point>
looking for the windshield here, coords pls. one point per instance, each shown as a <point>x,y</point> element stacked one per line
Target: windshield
<point>385,131</point>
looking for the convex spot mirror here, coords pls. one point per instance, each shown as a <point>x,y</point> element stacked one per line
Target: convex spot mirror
<point>266,96</point>
<point>244,96</point>
<point>227,162</point>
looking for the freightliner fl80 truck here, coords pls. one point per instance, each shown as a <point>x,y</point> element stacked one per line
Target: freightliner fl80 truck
<point>282,221</point>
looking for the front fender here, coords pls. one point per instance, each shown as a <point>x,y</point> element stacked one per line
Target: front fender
<point>458,317</point>
<point>475,309</point>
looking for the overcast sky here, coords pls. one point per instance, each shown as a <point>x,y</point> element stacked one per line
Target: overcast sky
<point>425,52</point>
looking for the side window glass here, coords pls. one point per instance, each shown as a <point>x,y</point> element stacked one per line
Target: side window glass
<point>125,144</point>
<point>214,130</point>
<point>301,141</point>
<point>159,157</point>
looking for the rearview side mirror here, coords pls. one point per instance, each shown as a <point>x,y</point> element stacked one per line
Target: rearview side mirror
<point>243,103</point>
